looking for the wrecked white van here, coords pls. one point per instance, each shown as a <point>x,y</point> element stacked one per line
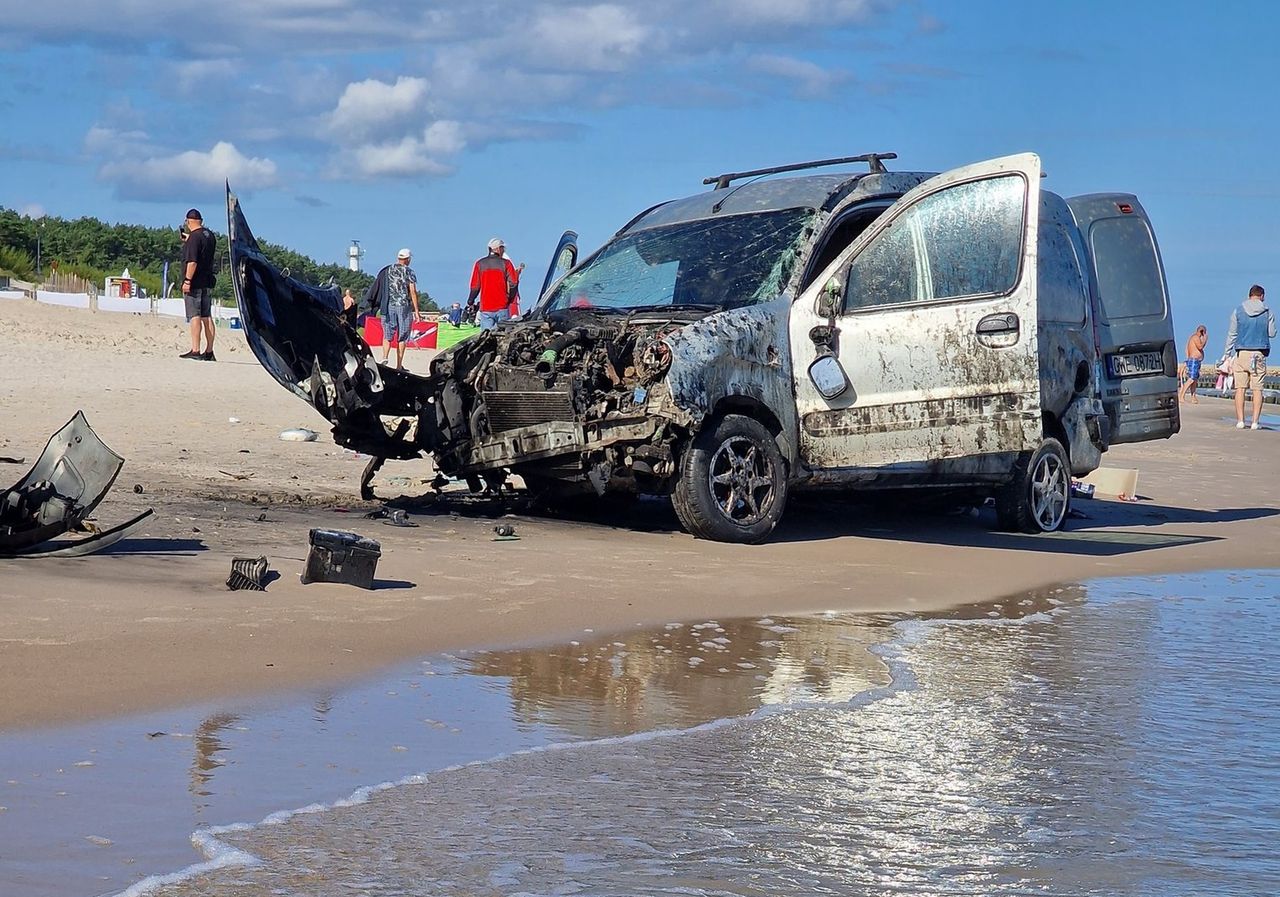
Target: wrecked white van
<point>968,331</point>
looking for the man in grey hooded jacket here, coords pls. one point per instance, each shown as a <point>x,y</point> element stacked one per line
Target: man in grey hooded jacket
<point>1249,336</point>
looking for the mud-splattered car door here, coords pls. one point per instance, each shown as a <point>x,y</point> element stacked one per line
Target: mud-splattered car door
<point>1139,370</point>
<point>931,316</point>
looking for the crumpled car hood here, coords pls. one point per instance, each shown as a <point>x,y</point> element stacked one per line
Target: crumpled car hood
<point>301,335</point>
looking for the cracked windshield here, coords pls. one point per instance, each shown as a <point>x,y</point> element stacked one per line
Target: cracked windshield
<point>721,263</point>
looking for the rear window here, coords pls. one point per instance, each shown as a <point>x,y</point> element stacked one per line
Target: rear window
<point>1129,281</point>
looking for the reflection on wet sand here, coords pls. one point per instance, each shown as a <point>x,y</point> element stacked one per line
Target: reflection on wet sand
<point>208,745</point>
<point>686,674</point>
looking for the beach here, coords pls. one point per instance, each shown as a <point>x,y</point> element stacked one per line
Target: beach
<point>146,707</point>
<point>151,624</point>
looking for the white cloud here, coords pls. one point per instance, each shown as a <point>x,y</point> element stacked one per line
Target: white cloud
<point>161,176</point>
<point>444,138</point>
<point>402,158</point>
<point>196,75</point>
<point>371,107</point>
<point>100,140</point>
<point>32,210</point>
<point>604,37</point>
<point>809,79</point>
<point>751,14</point>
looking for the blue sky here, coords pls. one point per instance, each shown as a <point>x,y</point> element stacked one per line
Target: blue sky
<point>438,125</point>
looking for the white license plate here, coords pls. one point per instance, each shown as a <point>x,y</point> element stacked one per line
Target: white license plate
<point>1137,363</point>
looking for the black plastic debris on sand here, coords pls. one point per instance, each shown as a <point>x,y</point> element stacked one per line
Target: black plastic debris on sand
<point>248,573</point>
<point>338,556</point>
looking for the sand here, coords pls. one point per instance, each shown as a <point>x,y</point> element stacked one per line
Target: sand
<point>150,624</point>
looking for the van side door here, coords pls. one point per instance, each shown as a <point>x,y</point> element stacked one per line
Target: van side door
<point>935,330</point>
<point>1138,379</point>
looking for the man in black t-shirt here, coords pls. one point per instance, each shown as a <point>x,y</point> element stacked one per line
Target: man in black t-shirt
<point>197,284</point>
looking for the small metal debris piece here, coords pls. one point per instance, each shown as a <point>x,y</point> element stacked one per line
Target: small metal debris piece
<point>504,532</point>
<point>137,487</point>
<point>398,517</point>
<point>1080,489</point>
<point>247,573</point>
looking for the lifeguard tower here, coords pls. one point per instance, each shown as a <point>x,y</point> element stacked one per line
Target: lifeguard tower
<point>122,287</point>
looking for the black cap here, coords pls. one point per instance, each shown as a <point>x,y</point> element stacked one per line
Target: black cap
<point>194,215</point>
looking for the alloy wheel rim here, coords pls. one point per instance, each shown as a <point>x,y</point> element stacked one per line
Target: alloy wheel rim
<point>1049,491</point>
<point>741,481</point>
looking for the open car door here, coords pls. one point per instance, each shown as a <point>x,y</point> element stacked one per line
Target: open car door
<point>915,352</point>
<point>1139,360</point>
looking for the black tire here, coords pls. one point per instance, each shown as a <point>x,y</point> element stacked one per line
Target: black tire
<point>733,482</point>
<point>1038,498</point>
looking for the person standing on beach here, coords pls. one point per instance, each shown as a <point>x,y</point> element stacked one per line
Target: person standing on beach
<point>198,249</point>
<point>402,306</point>
<point>1249,335</point>
<point>1195,357</point>
<point>494,279</point>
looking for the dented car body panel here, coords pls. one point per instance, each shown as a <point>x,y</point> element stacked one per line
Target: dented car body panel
<point>737,359</point>
<point>961,310</point>
<point>59,493</point>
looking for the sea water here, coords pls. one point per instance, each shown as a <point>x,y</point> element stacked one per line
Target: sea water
<point>1117,738</point>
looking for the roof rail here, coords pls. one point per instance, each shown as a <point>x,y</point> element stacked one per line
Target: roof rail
<point>872,159</point>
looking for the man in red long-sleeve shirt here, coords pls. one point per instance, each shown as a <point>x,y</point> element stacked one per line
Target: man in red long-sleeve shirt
<point>494,279</point>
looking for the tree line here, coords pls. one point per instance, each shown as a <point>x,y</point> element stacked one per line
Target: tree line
<point>94,250</point>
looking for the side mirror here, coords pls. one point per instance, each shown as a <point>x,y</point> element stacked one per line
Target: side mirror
<point>829,298</point>
<point>828,377</point>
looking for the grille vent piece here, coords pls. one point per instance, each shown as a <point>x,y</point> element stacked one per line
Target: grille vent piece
<point>512,410</point>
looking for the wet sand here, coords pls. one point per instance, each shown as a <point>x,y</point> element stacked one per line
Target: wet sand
<point>150,624</point>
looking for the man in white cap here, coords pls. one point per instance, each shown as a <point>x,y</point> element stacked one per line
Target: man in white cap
<point>494,280</point>
<point>402,306</point>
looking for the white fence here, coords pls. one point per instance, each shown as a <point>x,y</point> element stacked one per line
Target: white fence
<point>168,307</point>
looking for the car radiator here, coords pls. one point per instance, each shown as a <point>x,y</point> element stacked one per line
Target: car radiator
<point>510,410</point>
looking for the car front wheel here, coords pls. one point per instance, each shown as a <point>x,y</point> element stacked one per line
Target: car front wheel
<point>1039,496</point>
<point>733,482</point>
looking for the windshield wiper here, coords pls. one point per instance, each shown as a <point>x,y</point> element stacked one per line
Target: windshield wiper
<point>687,306</point>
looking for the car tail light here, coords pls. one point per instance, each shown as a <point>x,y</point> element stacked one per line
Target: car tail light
<point>1125,208</point>
<point>1170,358</point>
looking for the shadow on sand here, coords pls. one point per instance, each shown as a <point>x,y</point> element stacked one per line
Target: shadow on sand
<point>1100,529</point>
<point>155,547</point>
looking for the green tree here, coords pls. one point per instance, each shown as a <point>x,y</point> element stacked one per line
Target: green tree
<point>93,249</point>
